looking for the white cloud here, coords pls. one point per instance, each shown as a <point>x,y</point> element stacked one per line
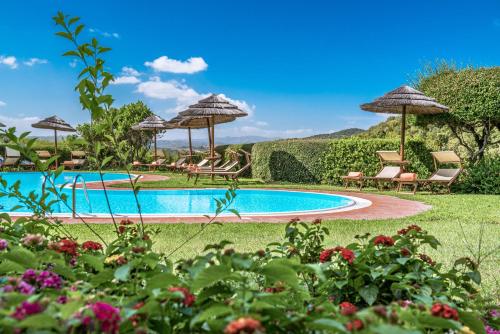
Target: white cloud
<point>104,33</point>
<point>126,70</point>
<point>2,104</point>
<point>168,90</point>
<point>21,124</point>
<point>190,66</point>
<point>35,61</point>
<point>243,105</point>
<point>125,80</point>
<point>9,61</point>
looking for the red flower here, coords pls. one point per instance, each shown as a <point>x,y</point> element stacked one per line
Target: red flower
<point>427,259</point>
<point>316,221</point>
<point>383,240</point>
<point>444,311</point>
<point>26,309</point>
<point>126,222</point>
<point>189,298</point>
<point>91,245</point>
<point>137,249</point>
<point>348,255</point>
<point>244,326</point>
<point>354,325</point>
<point>326,255</point>
<point>65,246</point>
<point>347,308</point>
<point>405,252</point>
<point>108,317</point>
<point>415,228</point>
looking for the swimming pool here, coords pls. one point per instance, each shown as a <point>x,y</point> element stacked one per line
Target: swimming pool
<point>176,202</point>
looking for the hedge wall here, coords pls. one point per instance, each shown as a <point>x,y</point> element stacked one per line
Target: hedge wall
<point>315,161</point>
<point>289,160</point>
<point>359,155</point>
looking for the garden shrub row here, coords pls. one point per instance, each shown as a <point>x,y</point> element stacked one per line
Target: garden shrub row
<point>315,161</point>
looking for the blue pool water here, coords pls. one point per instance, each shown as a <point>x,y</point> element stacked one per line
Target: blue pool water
<point>179,202</point>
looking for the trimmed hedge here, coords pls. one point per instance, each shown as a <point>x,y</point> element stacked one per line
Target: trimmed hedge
<point>297,161</point>
<point>355,154</point>
<point>482,178</point>
<point>315,161</point>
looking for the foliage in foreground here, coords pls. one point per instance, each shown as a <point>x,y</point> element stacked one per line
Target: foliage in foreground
<point>378,284</point>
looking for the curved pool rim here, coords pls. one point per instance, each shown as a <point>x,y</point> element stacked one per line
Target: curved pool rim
<point>356,203</point>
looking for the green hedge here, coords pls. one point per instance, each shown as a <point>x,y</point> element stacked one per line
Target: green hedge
<point>482,178</point>
<point>355,154</point>
<point>297,161</point>
<point>315,161</point>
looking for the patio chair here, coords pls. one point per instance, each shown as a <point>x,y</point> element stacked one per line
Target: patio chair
<point>43,156</point>
<point>227,174</point>
<point>391,167</point>
<point>178,165</point>
<point>12,158</point>
<point>151,166</point>
<point>444,176</point>
<point>226,167</point>
<point>78,160</point>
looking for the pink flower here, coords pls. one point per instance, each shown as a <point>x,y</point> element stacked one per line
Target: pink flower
<point>108,317</point>
<point>3,244</point>
<point>26,309</point>
<point>244,326</point>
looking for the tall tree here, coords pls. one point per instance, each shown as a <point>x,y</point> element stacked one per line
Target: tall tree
<point>473,96</point>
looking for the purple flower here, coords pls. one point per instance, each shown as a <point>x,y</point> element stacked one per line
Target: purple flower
<point>62,299</point>
<point>108,316</point>
<point>491,330</point>
<point>48,279</point>
<point>495,313</point>
<point>8,288</point>
<point>30,275</point>
<point>25,288</point>
<point>25,309</point>
<point>3,244</point>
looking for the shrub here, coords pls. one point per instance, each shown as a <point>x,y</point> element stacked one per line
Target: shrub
<point>355,154</point>
<point>297,161</point>
<point>482,178</point>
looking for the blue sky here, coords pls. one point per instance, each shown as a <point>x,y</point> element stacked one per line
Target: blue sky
<point>299,67</point>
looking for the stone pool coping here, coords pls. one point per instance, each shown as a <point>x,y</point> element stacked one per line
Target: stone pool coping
<point>382,207</point>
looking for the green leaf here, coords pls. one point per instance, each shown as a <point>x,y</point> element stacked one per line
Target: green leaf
<point>369,293</point>
<point>68,309</point>
<point>211,312</point>
<point>473,321</point>
<point>93,261</point>
<point>280,272</point>
<point>329,325</point>
<point>391,329</point>
<point>22,256</point>
<point>210,275</point>
<point>162,280</point>
<point>39,321</point>
<point>436,322</point>
<point>122,273</point>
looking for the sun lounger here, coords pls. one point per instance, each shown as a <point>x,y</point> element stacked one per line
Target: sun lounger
<point>12,158</point>
<point>78,160</point>
<point>227,174</point>
<point>178,165</point>
<point>444,176</point>
<point>202,170</point>
<point>151,166</point>
<point>43,156</point>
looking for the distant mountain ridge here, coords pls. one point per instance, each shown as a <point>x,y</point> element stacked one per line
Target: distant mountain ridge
<point>338,134</point>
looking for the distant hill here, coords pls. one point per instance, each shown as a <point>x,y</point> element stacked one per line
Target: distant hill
<point>339,134</point>
<point>202,143</point>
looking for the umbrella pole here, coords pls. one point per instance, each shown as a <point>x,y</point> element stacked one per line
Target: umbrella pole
<point>213,146</point>
<point>154,155</point>
<point>55,147</point>
<point>190,147</point>
<point>403,131</point>
<point>209,136</point>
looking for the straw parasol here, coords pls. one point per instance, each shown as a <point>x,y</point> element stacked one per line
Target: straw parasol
<point>54,123</point>
<point>213,109</point>
<point>2,125</point>
<point>189,123</point>
<point>405,100</point>
<point>152,123</point>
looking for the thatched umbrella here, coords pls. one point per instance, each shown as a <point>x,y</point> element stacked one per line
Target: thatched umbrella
<point>2,125</point>
<point>57,124</point>
<point>405,100</point>
<point>152,123</point>
<point>213,110</point>
<point>189,123</point>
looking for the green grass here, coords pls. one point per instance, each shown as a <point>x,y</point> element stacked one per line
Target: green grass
<point>456,220</point>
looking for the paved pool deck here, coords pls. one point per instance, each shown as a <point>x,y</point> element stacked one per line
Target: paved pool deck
<point>382,207</point>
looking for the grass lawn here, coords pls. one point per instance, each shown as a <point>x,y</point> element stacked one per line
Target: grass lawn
<point>456,220</point>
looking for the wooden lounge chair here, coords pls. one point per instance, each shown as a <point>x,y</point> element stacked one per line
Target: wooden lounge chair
<point>391,167</point>
<point>78,160</point>
<point>12,158</point>
<point>151,166</point>
<point>226,167</point>
<point>178,165</point>
<point>43,156</point>
<point>227,174</point>
<point>444,176</point>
